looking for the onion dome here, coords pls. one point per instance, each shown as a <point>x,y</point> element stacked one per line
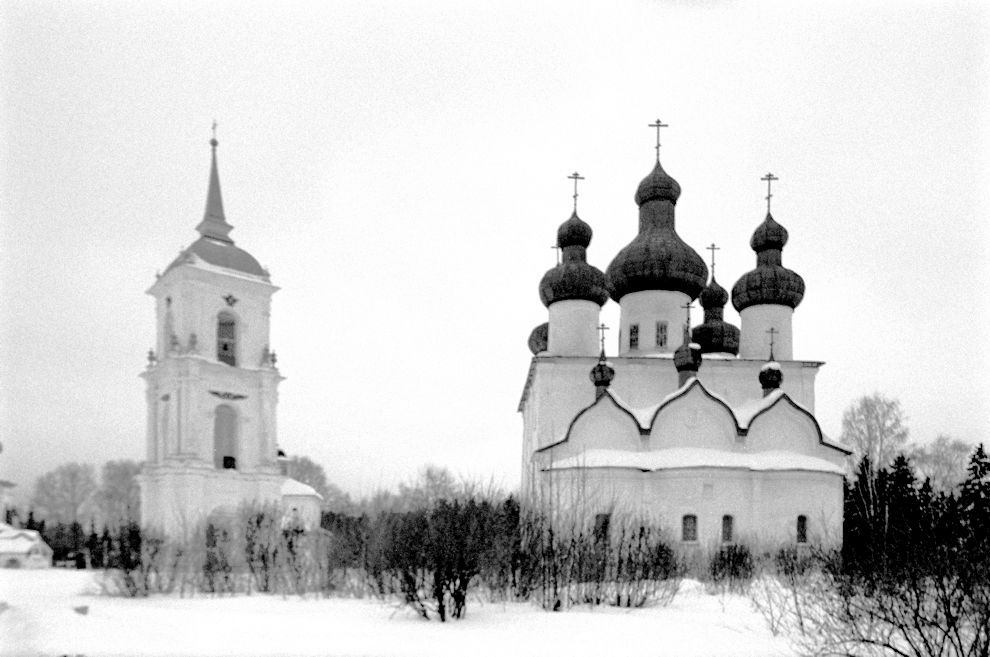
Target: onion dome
<point>601,375</point>
<point>715,335</point>
<point>771,376</point>
<point>573,278</point>
<point>687,357</point>
<point>657,258</point>
<point>770,282</point>
<point>539,338</point>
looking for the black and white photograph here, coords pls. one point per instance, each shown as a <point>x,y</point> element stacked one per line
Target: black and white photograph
<point>523,328</point>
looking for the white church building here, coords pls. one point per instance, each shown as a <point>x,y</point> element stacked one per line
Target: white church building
<point>709,431</point>
<point>212,387</point>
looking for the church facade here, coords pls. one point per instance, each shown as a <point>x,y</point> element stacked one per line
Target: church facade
<point>212,387</point>
<point>708,430</point>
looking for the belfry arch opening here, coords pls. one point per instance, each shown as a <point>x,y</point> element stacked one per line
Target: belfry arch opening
<point>227,338</point>
<point>225,438</point>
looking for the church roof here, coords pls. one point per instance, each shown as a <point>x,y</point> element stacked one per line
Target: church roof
<point>215,247</point>
<point>770,282</point>
<point>298,489</point>
<point>573,278</point>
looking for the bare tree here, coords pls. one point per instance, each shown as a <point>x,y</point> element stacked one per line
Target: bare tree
<point>942,461</point>
<point>873,426</point>
<point>434,483</point>
<point>119,496</point>
<point>311,473</point>
<point>65,494</point>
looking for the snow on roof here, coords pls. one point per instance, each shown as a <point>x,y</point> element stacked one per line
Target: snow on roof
<point>772,365</point>
<point>17,540</point>
<point>695,457</point>
<point>297,488</point>
<point>746,411</point>
<point>644,414</point>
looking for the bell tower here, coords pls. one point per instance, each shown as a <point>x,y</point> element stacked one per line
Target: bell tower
<point>212,381</point>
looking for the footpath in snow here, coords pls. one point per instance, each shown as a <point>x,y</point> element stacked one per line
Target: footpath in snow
<point>62,612</point>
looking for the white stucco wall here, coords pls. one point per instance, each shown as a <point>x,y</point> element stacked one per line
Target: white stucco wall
<point>646,308</point>
<point>573,328</point>
<point>754,341</point>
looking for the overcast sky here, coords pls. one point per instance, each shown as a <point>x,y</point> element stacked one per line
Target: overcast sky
<point>401,169</point>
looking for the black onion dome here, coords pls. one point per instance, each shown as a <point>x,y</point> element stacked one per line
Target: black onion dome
<point>573,278</point>
<point>602,373</point>
<point>574,232</point>
<point>715,335</point>
<point>657,186</point>
<point>713,296</point>
<point>657,258</point>
<point>539,338</point>
<point>770,282</point>
<point>771,376</point>
<point>687,357</point>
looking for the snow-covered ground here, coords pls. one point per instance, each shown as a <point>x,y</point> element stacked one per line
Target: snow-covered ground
<point>40,614</point>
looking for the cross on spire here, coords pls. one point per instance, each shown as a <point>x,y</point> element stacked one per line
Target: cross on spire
<point>575,177</point>
<point>659,124</point>
<point>713,249</point>
<point>772,331</point>
<point>769,178</point>
<point>601,329</point>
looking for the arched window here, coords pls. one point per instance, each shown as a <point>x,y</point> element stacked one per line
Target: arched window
<point>802,529</point>
<point>634,336</point>
<point>726,529</point>
<point>227,339</point>
<point>661,334</point>
<point>225,438</point>
<point>689,528</point>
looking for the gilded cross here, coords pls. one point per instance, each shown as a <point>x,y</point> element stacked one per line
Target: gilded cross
<point>769,178</point>
<point>575,177</point>
<point>658,125</point>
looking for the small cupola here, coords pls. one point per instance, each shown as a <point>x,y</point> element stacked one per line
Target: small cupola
<point>771,376</point>
<point>687,359</point>
<point>601,375</point>
<point>538,338</point>
<point>715,335</point>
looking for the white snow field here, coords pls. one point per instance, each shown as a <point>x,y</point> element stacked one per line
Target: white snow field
<point>41,614</point>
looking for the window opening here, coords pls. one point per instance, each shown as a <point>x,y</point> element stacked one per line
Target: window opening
<point>225,438</point>
<point>726,529</point>
<point>227,339</point>
<point>634,336</point>
<point>802,529</point>
<point>661,334</point>
<point>689,528</point>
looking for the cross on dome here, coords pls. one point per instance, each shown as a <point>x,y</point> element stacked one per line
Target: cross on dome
<point>687,307</point>
<point>601,329</point>
<point>575,177</point>
<point>769,178</point>
<point>772,331</point>
<point>713,249</point>
<point>659,124</point>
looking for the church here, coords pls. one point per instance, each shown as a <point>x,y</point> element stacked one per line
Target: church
<point>212,388</point>
<point>708,430</point>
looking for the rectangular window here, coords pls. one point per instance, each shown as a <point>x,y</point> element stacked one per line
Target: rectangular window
<point>689,528</point>
<point>726,529</point>
<point>802,529</point>
<point>661,334</point>
<point>634,336</point>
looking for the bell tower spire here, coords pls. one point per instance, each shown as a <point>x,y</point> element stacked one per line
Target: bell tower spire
<point>214,224</point>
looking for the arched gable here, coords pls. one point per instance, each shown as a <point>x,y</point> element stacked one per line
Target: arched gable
<point>693,417</point>
<point>785,425</point>
<point>606,424</point>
